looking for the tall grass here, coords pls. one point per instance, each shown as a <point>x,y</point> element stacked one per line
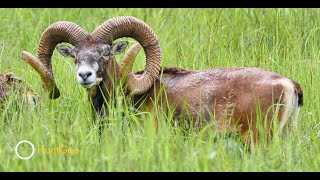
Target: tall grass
<point>285,41</point>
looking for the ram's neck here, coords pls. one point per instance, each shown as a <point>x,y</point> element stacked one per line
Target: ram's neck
<point>104,92</point>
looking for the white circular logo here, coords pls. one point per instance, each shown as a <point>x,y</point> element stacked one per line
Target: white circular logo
<point>28,142</point>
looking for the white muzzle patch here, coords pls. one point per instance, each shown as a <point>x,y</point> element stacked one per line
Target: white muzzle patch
<point>87,75</point>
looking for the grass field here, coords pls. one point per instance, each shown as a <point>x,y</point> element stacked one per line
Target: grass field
<point>286,41</point>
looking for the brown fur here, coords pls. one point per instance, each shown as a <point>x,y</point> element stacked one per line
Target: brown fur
<point>231,95</point>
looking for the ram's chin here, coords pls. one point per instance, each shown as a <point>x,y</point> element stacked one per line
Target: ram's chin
<point>87,86</point>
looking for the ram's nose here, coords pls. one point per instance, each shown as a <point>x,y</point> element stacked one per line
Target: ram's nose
<point>85,75</point>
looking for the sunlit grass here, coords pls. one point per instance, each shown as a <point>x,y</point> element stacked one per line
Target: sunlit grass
<point>285,41</point>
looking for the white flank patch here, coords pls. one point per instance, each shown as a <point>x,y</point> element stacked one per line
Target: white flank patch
<point>290,102</point>
<point>297,110</point>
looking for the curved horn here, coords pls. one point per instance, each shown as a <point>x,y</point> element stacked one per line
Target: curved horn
<point>58,32</point>
<point>128,60</point>
<point>127,26</point>
<point>45,75</point>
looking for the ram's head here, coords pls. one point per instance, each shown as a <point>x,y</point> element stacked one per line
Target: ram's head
<point>92,51</point>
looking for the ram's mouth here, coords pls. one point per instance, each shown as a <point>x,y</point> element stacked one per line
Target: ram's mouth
<point>87,84</point>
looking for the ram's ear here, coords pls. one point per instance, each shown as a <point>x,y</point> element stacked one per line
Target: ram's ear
<point>119,47</point>
<point>65,51</point>
<point>10,77</point>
